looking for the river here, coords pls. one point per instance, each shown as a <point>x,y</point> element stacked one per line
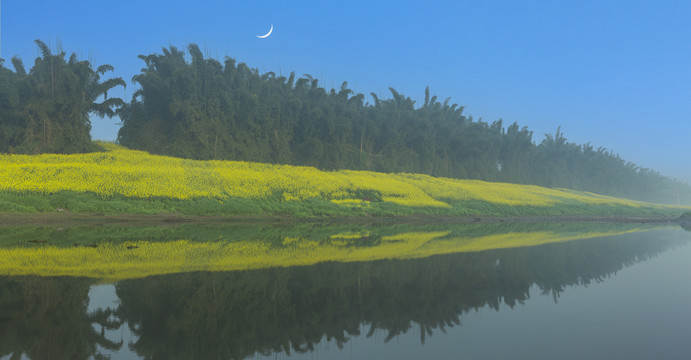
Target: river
<point>475,291</point>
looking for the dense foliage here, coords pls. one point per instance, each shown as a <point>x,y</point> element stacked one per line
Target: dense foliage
<point>203,109</point>
<point>48,109</point>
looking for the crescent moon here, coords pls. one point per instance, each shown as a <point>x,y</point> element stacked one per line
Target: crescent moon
<point>267,34</point>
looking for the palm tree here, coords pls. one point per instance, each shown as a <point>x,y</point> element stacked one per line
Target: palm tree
<point>58,98</point>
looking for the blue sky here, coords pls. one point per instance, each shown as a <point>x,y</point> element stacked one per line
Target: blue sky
<point>616,74</point>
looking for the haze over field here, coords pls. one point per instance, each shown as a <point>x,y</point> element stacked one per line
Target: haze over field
<point>617,75</point>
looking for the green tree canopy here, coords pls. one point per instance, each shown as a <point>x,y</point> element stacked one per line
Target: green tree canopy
<point>49,108</point>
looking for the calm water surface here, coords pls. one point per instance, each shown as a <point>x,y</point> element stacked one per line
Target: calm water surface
<point>612,297</point>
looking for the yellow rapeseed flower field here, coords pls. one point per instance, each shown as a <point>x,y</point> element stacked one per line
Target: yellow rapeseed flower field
<point>119,171</point>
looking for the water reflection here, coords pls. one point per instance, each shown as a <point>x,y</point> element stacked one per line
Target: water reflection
<point>47,318</point>
<point>116,253</point>
<point>233,315</point>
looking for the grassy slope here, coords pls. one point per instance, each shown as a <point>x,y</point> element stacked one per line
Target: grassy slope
<point>122,181</point>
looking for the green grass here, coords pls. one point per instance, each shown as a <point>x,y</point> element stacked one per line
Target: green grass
<point>90,203</point>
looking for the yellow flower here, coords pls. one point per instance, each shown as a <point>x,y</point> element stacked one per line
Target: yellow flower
<point>119,171</point>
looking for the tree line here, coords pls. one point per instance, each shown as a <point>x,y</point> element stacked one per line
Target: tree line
<point>196,107</point>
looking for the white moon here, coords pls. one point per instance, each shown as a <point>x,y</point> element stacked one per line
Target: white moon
<point>267,34</point>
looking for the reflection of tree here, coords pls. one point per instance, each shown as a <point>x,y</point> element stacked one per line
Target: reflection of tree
<point>20,236</point>
<point>234,315</point>
<point>46,318</point>
<point>573,264</point>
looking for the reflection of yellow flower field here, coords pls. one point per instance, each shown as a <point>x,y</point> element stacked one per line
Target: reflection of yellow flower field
<point>119,171</point>
<point>142,258</point>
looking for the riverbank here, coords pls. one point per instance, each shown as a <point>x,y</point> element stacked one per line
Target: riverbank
<point>119,184</point>
<point>35,207</point>
<point>67,219</point>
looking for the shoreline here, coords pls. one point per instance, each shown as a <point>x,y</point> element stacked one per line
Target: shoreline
<point>85,219</point>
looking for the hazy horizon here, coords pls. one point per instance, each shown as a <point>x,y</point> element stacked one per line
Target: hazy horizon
<point>616,75</point>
